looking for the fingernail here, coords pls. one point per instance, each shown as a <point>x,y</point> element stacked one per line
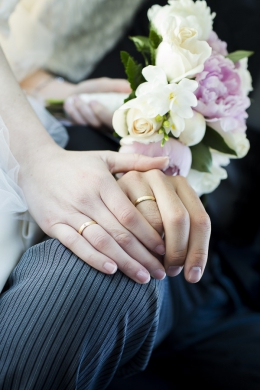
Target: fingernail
<point>160,249</point>
<point>143,277</point>
<point>159,274</point>
<point>110,268</point>
<point>174,270</point>
<point>194,274</point>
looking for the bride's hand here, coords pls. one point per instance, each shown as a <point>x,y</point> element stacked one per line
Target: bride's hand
<point>178,213</point>
<point>65,189</point>
<point>94,113</point>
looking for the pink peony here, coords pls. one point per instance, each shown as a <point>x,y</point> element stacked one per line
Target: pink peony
<point>218,46</point>
<point>179,154</point>
<point>220,94</point>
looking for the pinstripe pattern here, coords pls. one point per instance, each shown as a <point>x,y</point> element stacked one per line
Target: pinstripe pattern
<point>64,325</point>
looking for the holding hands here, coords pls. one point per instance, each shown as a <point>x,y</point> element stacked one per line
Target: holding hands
<point>69,189</point>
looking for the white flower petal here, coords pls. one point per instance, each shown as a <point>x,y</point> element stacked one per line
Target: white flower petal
<point>194,130</point>
<point>119,122</point>
<point>177,124</point>
<point>129,139</point>
<point>154,74</point>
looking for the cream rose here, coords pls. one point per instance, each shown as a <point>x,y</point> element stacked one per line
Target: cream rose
<point>197,16</point>
<point>133,126</point>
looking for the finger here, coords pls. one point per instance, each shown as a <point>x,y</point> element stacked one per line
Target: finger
<point>175,221</point>
<point>124,162</point>
<point>71,239</point>
<point>102,113</point>
<point>124,253</point>
<point>105,244</point>
<point>129,217</point>
<point>73,113</point>
<point>104,84</point>
<point>121,240</point>
<point>134,186</point>
<point>86,112</point>
<point>200,230</point>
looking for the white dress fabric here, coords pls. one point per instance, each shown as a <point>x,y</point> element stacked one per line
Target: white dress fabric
<point>18,231</point>
<point>65,37</point>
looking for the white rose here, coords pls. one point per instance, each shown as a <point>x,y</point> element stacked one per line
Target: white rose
<point>133,126</point>
<point>197,15</point>
<point>245,76</point>
<point>194,130</point>
<point>183,60</point>
<point>236,141</point>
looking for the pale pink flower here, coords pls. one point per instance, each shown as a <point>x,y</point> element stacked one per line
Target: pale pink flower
<point>218,46</point>
<point>220,94</point>
<point>179,154</point>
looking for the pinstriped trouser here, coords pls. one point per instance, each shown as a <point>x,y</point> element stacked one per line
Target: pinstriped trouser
<point>64,325</point>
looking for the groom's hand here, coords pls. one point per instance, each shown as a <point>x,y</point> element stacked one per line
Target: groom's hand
<point>178,214</point>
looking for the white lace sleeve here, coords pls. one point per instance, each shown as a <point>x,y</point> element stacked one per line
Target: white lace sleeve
<point>12,200</point>
<point>6,9</point>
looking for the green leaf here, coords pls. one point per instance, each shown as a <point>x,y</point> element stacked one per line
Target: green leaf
<point>124,58</point>
<point>239,55</point>
<point>201,158</point>
<point>130,97</point>
<point>133,70</point>
<point>154,38</point>
<point>142,44</point>
<point>214,140</point>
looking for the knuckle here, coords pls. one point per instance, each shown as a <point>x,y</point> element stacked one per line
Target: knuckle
<point>133,176</point>
<point>179,180</point>
<point>155,173</point>
<point>177,257</point>
<point>199,257</point>
<point>71,240</point>
<point>123,239</point>
<point>127,218</point>
<point>126,267</point>
<point>203,222</point>
<point>100,241</point>
<point>180,217</point>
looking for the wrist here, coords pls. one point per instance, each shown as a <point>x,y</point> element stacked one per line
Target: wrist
<point>42,86</point>
<point>32,164</point>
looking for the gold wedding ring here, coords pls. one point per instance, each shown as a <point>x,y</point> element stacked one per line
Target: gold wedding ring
<point>143,198</point>
<point>85,225</point>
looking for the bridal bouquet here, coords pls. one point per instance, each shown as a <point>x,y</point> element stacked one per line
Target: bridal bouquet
<point>189,98</point>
